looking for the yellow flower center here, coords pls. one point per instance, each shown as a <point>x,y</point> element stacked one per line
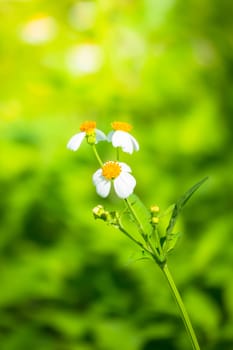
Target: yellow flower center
<point>111,170</point>
<point>88,127</point>
<point>121,126</point>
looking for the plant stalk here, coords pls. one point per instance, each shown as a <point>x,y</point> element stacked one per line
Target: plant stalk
<point>140,229</point>
<point>97,155</point>
<point>182,309</point>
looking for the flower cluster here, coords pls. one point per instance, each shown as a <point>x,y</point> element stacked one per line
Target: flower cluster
<point>113,171</point>
<point>137,222</point>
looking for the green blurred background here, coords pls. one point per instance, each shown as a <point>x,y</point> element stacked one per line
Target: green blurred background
<point>66,281</point>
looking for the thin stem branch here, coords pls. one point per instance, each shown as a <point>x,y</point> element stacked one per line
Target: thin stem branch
<point>151,249</point>
<point>133,239</point>
<point>118,154</point>
<point>140,228</point>
<point>158,244</point>
<point>183,312</point>
<point>97,155</point>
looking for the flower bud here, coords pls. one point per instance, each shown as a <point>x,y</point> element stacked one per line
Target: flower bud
<point>111,218</point>
<point>154,209</point>
<point>91,138</point>
<point>100,213</point>
<point>154,220</point>
<point>97,211</point>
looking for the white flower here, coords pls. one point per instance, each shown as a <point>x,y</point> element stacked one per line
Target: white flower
<point>87,129</point>
<point>119,174</point>
<point>120,137</point>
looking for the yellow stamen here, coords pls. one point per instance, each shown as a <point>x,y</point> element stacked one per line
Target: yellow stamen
<point>121,126</point>
<point>88,127</point>
<point>111,170</point>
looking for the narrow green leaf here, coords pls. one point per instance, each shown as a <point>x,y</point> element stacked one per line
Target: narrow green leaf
<point>184,199</point>
<point>181,203</point>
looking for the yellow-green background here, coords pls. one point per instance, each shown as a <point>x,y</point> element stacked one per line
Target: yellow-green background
<point>66,281</point>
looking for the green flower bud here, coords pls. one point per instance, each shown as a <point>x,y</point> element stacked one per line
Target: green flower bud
<point>111,218</point>
<point>100,213</point>
<point>91,137</point>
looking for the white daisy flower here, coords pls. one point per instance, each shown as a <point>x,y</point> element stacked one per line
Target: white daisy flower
<point>88,129</point>
<point>119,174</point>
<point>120,137</point>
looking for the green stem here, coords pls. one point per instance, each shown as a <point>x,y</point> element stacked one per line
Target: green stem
<point>158,244</point>
<point>140,227</point>
<point>133,239</point>
<point>183,312</point>
<point>152,251</point>
<point>97,155</point>
<point>118,154</point>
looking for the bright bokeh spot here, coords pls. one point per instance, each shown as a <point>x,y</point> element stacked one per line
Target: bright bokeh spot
<point>38,30</point>
<point>84,59</point>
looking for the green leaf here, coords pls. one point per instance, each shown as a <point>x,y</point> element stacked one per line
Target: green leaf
<point>164,218</point>
<point>181,203</point>
<point>141,213</point>
<point>171,241</point>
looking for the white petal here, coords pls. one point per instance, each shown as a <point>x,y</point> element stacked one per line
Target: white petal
<point>100,136</point>
<point>124,185</point>
<point>103,187</point>
<point>97,177</point>
<point>125,167</point>
<point>122,139</point>
<point>135,143</point>
<point>76,141</point>
<point>109,136</point>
